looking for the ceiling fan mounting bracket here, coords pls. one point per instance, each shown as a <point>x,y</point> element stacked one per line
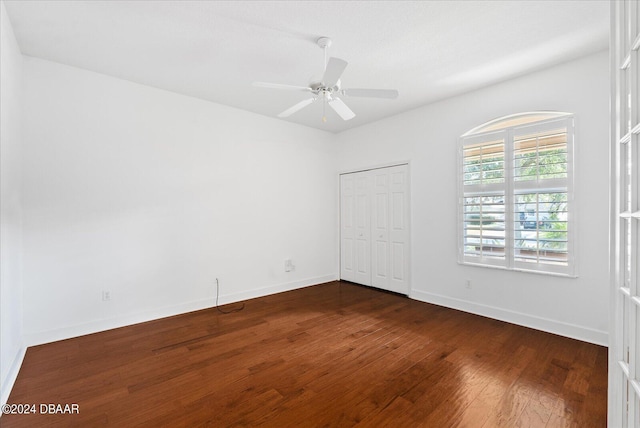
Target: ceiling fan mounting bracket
<point>324,42</point>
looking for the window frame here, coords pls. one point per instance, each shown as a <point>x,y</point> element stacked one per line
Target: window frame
<point>510,188</point>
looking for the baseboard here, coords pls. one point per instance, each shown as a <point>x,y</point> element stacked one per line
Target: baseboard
<point>273,289</point>
<point>7,385</point>
<point>48,336</point>
<point>544,324</point>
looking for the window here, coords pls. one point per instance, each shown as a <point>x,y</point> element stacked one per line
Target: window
<point>516,179</point>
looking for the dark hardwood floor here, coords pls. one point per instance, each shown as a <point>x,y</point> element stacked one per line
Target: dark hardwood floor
<point>336,354</point>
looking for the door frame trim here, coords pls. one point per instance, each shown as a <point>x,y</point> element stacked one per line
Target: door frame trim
<point>379,166</point>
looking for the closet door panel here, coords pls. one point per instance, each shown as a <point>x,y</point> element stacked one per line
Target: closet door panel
<point>362,274</point>
<point>380,232</point>
<point>347,231</point>
<point>399,229</point>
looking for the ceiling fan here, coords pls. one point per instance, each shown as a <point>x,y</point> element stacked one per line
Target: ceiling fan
<point>328,88</point>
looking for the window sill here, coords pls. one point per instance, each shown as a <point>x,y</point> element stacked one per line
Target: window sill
<point>539,272</point>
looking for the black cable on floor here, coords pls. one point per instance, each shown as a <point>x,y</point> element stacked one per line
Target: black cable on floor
<point>218,307</point>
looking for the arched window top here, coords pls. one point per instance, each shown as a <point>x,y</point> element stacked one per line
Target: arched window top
<point>515,120</point>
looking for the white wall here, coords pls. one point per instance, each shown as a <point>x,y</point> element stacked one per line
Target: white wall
<point>151,195</point>
<point>428,137</point>
<point>11,338</point>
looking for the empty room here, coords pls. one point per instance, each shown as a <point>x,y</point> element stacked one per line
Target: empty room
<point>320,213</point>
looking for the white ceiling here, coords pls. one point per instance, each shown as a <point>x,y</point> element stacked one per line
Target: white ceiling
<point>214,50</point>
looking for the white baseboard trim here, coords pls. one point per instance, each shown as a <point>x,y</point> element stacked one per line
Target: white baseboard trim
<point>544,324</point>
<point>273,289</point>
<point>48,336</point>
<point>7,384</point>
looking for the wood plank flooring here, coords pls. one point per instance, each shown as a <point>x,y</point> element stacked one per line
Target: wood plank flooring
<point>337,354</point>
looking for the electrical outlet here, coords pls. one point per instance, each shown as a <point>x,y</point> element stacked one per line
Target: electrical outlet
<point>106,295</point>
<point>288,265</point>
<point>468,284</point>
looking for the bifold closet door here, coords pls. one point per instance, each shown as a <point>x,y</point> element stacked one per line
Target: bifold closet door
<point>355,219</point>
<point>389,228</point>
<point>375,228</point>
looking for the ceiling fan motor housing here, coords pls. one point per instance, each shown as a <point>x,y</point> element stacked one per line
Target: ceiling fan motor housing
<point>319,88</point>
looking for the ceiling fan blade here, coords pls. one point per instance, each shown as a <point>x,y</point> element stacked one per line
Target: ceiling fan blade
<point>302,104</point>
<point>371,93</point>
<point>281,86</point>
<point>341,108</point>
<point>335,68</point>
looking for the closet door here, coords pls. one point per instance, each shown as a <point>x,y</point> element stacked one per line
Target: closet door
<point>399,233</point>
<point>347,228</point>
<point>362,229</point>
<point>380,228</point>
<point>375,228</point>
